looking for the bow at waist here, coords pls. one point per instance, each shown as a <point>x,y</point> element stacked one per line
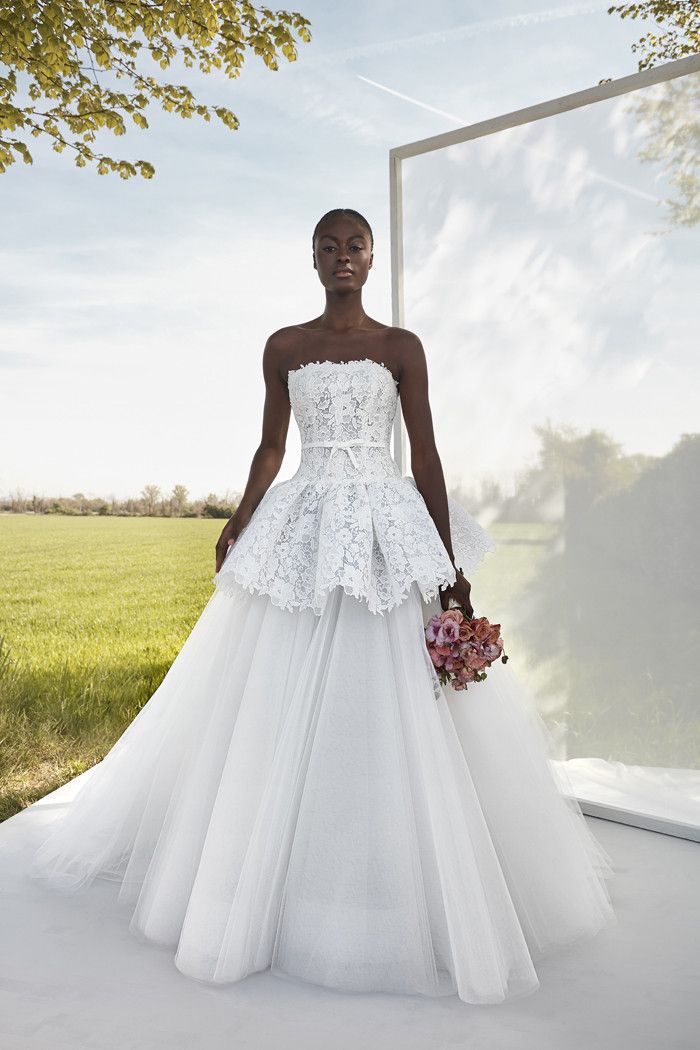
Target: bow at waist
<point>347,445</point>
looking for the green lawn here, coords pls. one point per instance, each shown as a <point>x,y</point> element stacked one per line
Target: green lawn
<point>93,611</point>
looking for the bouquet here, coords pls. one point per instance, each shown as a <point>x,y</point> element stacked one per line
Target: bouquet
<point>460,648</point>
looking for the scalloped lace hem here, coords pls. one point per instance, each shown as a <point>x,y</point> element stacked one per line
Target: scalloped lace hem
<point>468,559</point>
<point>235,587</point>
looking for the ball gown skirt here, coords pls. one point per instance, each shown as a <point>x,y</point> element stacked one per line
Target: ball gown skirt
<point>296,796</point>
<point>301,794</point>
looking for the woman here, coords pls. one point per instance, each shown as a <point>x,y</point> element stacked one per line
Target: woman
<point>342,246</point>
<point>301,793</point>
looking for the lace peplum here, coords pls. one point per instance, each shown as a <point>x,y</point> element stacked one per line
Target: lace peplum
<point>347,517</point>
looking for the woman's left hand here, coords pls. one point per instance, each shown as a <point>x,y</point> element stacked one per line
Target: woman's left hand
<point>457,592</point>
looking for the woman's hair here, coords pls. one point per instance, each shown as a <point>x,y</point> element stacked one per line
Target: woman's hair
<point>337,213</point>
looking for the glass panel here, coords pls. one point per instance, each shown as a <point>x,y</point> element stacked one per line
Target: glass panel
<point>551,271</point>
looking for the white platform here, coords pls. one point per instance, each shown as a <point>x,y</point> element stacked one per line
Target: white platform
<point>647,796</point>
<point>73,978</point>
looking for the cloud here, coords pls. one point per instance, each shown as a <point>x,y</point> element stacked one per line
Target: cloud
<point>540,295</point>
<point>19,359</point>
<point>574,161</point>
<point>134,315</point>
<point>155,356</point>
<point>451,35</point>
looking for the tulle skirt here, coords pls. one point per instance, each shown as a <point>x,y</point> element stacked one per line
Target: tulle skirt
<point>300,795</point>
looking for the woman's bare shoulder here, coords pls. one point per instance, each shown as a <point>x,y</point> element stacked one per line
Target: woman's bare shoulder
<point>284,338</point>
<point>403,338</point>
<point>406,350</point>
<point>282,347</point>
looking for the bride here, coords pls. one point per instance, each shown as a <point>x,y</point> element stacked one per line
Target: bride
<point>300,793</point>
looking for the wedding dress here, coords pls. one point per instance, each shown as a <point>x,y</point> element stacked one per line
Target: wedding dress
<point>301,793</point>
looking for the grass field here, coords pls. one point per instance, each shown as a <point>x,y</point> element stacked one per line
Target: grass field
<point>94,610</point>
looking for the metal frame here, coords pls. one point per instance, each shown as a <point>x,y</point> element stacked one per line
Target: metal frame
<point>668,71</point>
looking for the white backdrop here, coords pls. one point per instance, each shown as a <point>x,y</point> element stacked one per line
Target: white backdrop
<point>551,270</point>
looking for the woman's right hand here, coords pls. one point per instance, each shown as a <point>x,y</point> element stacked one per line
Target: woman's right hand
<point>458,592</point>
<point>229,534</point>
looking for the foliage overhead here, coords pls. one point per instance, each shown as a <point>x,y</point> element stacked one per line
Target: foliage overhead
<point>669,118</point>
<point>677,31</point>
<point>55,57</point>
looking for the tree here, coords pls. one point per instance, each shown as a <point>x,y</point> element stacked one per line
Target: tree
<point>670,117</point>
<point>178,500</point>
<point>214,508</point>
<point>80,499</point>
<point>57,49</point>
<point>18,502</point>
<point>677,33</point>
<point>671,123</point>
<point>150,495</point>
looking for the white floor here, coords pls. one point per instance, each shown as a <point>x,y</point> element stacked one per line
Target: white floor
<point>71,975</point>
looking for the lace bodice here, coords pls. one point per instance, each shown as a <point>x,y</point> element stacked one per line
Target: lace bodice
<point>345,413</point>
<point>347,517</point>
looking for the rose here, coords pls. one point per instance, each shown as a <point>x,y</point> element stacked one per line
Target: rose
<point>448,632</point>
<point>474,659</point>
<point>460,647</point>
<point>462,678</point>
<point>484,631</point>
<point>466,631</point>
<point>432,628</point>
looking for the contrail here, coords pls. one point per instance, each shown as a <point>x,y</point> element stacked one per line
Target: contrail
<point>450,34</point>
<point>461,122</point>
<point>414,101</point>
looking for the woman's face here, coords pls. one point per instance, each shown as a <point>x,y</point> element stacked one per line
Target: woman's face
<point>342,254</point>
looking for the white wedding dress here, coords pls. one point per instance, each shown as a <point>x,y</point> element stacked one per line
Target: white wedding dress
<point>300,793</point>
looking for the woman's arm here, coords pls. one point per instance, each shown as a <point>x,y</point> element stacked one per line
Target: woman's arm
<point>426,465</point>
<point>268,456</point>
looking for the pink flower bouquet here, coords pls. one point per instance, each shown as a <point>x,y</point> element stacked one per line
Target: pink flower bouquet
<point>461,648</point>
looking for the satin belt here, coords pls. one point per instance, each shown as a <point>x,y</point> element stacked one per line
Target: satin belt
<point>347,445</point>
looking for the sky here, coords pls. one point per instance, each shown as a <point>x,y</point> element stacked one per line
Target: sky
<point>133,314</point>
<point>557,289</point>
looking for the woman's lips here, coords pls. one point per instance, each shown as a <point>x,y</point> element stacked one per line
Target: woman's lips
<point>343,273</point>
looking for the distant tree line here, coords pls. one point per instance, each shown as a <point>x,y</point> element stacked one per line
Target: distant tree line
<point>593,460</point>
<point>150,503</point>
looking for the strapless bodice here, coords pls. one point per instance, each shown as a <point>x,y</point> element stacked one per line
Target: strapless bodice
<point>345,413</point>
<point>347,517</point>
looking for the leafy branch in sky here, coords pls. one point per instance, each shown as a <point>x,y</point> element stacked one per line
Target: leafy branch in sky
<point>54,56</point>
<point>671,121</point>
<point>677,31</point>
<point>670,116</point>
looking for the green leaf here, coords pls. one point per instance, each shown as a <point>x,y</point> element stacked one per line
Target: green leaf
<point>61,50</point>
